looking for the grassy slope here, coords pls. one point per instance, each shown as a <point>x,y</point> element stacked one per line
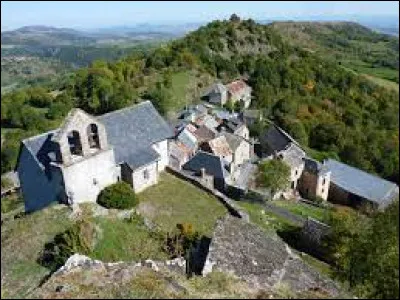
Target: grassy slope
<point>174,201</point>
<point>122,240</point>
<point>21,242</point>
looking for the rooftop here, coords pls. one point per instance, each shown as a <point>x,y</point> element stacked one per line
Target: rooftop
<point>219,146</point>
<point>236,86</point>
<point>361,183</point>
<point>130,131</point>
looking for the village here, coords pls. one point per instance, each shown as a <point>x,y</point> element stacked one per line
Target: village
<point>207,140</point>
<point>210,146</point>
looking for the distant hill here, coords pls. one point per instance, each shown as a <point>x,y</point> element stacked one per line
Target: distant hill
<point>39,35</point>
<point>355,46</point>
<point>44,35</point>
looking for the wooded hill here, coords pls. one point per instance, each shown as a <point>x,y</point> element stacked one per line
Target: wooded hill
<point>333,111</point>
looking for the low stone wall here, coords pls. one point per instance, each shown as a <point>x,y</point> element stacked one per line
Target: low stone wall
<point>228,203</point>
<point>313,232</point>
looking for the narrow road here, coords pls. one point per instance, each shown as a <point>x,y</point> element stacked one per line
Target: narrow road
<point>284,213</point>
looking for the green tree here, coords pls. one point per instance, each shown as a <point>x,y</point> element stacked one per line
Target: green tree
<point>273,174</point>
<point>365,251</point>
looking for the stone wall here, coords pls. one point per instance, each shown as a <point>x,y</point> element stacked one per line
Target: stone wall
<point>228,203</point>
<point>313,232</point>
<point>87,178</point>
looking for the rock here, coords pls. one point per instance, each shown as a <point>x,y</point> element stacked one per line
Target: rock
<point>151,264</point>
<point>262,259</point>
<point>125,214</point>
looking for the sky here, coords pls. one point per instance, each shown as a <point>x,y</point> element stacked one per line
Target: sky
<point>98,14</point>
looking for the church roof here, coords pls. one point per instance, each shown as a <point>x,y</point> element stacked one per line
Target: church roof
<point>131,131</point>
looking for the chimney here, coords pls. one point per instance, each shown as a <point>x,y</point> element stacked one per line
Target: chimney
<point>203,172</point>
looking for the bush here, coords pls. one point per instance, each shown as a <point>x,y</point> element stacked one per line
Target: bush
<point>179,242</point>
<point>79,238</point>
<point>119,195</point>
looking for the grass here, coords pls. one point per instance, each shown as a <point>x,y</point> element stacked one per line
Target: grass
<point>128,241</point>
<point>10,203</point>
<point>174,201</point>
<point>179,85</point>
<point>267,221</point>
<point>303,209</point>
<point>22,240</point>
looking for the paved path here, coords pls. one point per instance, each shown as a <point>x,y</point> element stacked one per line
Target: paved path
<point>284,213</point>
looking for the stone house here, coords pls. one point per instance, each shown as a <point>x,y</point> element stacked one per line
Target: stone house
<point>73,163</point>
<point>210,168</point>
<point>216,94</point>
<point>330,180</point>
<point>219,146</point>
<point>236,91</point>
<point>239,91</point>
<point>234,126</point>
<point>315,180</point>
<point>240,148</point>
<point>277,144</point>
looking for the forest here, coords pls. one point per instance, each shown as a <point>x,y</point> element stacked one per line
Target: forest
<point>331,110</point>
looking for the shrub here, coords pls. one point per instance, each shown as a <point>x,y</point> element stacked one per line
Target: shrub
<point>119,195</point>
<point>179,242</point>
<point>79,238</point>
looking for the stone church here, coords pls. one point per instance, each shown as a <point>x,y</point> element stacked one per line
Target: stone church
<point>73,163</point>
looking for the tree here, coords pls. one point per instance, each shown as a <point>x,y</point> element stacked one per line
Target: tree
<point>273,174</point>
<point>234,18</point>
<point>365,251</point>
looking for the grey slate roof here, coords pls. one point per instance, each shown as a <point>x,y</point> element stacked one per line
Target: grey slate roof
<point>130,131</point>
<point>233,140</point>
<point>314,166</point>
<point>42,147</point>
<point>361,183</point>
<point>294,156</point>
<point>274,139</point>
<point>216,88</point>
<point>211,163</point>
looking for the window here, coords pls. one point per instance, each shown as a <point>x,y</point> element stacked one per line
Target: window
<point>323,182</point>
<point>118,178</point>
<point>322,191</point>
<point>74,142</point>
<point>94,181</point>
<point>93,136</point>
<point>146,174</point>
<point>296,172</point>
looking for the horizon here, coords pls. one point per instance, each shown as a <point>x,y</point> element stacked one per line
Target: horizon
<point>71,14</point>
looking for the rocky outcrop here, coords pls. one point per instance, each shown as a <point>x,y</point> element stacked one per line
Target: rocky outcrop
<point>261,259</point>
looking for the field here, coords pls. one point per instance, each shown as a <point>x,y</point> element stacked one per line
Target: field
<point>174,201</point>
